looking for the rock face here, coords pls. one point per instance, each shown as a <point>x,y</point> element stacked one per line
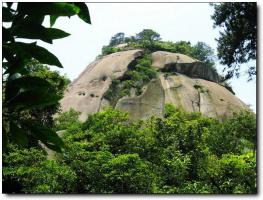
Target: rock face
<point>189,84</point>
<point>85,93</point>
<point>150,103</point>
<point>183,64</point>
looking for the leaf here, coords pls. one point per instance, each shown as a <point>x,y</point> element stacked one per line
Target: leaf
<point>15,65</point>
<point>7,14</point>
<point>33,51</point>
<point>57,33</point>
<point>35,18</point>
<point>53,147</point>
<point>43,55</point>
<point>29,92</point>
<point>84,12</point>
<point>19,136</point>
<point>9,4</point>
<point>31,30</point>
<point>45,135</point>
<point>48,8</point>
<point>53,19</point>
<point>7,36</point>
<point>30,83</point>
<point>34,98</point>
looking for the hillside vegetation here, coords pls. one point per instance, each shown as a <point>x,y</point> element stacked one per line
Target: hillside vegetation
<point>180,153</point>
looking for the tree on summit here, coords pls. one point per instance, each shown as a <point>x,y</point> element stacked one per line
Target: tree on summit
<point>118,38</point>
<point>148,35</point>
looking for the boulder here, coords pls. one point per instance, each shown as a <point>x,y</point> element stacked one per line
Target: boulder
<point>182,81</point>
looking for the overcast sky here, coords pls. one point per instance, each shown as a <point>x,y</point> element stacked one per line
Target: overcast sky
<point>173,21</point>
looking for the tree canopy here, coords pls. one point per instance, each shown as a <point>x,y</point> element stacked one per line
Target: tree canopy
<point>237,43</point>
<point>182,153</point>
<point>118,38</point>
<point>148,35</point>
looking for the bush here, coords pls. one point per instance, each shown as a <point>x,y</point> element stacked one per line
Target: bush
<point>67,119</point>
<point>128,174</point>
<point>29,170</point>
<point>138,75</point>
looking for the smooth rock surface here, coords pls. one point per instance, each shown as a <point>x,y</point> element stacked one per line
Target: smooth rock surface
<point>199,95</point>
<point>85,93</point>
<point>191,86</point>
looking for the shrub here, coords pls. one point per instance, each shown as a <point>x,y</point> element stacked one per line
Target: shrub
<point>138,75</point>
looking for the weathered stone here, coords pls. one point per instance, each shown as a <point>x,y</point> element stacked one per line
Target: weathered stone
<point>176,62</point>
<point>85,93</point>
<point>192,86</point>
<point>198,95</point>
<point>149,103</point>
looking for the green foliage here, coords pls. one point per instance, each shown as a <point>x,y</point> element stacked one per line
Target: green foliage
<point>36,112</point>
<point>229,136</point>
<point>147,35</point>
<point>128,174</point>
<point>106,50</point>
<point>237,44</point>
<point>31,91</point>
<point>29,170</point>
<point>150,41</point>
<point>175,166</point>
<point>201,89</point>
<point>231,173</point>
<point>57,81</point>
<point>138,74</point>
<point>67,119</point>
<point>169,110</point>
<point>182,153</point>
<point>118,38</point>
<point>204,53</point>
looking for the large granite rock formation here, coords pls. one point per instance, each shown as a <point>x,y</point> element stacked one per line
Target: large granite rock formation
<point>190,84</point>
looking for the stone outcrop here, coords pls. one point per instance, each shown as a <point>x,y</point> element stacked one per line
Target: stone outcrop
<point>85,93</point>
<point>199,95</point>
<point>150,103</point>
<point>189,84</point>
<point>166,61</point>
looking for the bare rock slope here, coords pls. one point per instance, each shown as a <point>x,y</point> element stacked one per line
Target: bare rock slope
<point>189,84</point>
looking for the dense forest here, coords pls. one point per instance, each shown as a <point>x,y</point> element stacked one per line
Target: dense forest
<point>180,153</point>
<point>46,151</point>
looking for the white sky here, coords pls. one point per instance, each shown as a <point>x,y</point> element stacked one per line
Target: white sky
<point>173,21</point>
